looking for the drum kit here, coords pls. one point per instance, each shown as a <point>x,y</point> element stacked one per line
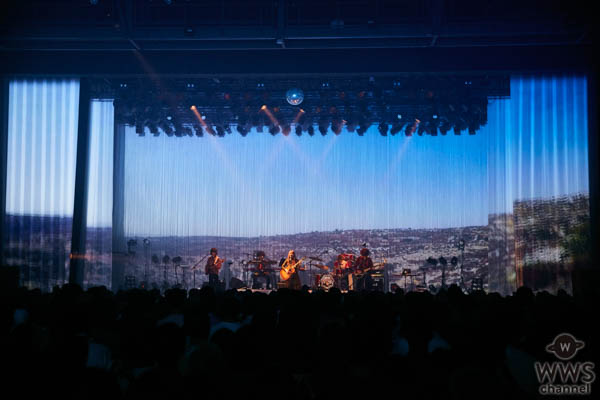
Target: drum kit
<point>322,281</point>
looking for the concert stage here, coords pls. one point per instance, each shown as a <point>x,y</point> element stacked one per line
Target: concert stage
<point>305,200</point>
<point>129,166</point>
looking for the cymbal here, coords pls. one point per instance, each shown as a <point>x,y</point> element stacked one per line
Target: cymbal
<point>320,266</point>
<point>315,258</point>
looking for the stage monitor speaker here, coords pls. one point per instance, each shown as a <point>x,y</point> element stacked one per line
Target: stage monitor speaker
<point>235,283</point>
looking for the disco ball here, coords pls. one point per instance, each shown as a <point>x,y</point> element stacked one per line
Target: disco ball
<point>294,96</point>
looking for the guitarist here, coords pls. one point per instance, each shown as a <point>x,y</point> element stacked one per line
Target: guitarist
<point>362,268</point>
<point>292,262</point>
<point>212,268</point>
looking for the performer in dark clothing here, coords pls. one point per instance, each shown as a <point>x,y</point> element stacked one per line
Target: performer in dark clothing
<point>213,265</point>
<point>363,270</point>
<point>261,270</point>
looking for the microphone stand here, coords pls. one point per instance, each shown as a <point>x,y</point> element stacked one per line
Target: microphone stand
<point>229,264</point>
<point>194,268</point>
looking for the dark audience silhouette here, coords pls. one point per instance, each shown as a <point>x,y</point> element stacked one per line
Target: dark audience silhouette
<point>139,344</point>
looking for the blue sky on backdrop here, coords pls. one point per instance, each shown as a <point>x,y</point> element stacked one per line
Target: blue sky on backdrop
<point>534,146</point>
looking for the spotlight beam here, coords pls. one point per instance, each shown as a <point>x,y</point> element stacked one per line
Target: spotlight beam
<point>201,121</point>
<point>266,110</point>
<point>298,116</point>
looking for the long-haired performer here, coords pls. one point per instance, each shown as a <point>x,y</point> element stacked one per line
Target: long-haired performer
<point>212,268</point>
<point>289,270</point>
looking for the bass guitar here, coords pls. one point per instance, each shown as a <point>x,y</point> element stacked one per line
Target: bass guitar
<point>287,269</point>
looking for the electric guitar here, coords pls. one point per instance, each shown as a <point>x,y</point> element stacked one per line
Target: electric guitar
<point>375,266</point>
<point>287,271</point>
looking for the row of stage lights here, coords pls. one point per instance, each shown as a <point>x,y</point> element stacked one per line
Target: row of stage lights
<point>300,124</point>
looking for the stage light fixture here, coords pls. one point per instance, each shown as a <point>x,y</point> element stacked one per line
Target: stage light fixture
<point>432,261</point>
<point>336,126</point>
<point>412,128</point>
<point>311,130</point>
<point>286,129</point>
<point>299,130</point>
<point>396,128</point>
<point>139,129</point>
<point>242,130</point>
<point>199,131</point>
<point>432,129</point>
<point>188,131</point>
<point>220,131</point>
<point>130,120</point>
<point>323,129</point>
<point>383,128</point>
<point>153,129</point>
<point>444,127</point>
<point>166,128</point>
<point>178,129</point>
<point>274,129</point>
<point>459,126</point>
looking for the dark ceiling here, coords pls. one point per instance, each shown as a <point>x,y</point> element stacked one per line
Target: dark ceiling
<point>243,36</point>
<point>295,24</point>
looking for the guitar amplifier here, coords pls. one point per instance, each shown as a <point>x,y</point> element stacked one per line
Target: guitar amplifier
<point>282,285</point>
<point>378,281</point>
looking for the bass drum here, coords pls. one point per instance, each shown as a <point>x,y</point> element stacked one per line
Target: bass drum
<point>326,282</point>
